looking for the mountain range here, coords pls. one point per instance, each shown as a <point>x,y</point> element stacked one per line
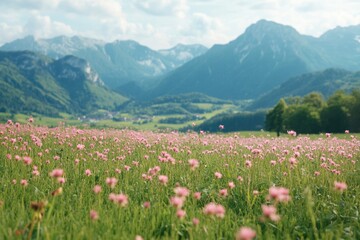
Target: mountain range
<point>264,56</point>
<point>32,82</point>
<point>118,62</point>
<point>268,61</point>
<point>325,82</point>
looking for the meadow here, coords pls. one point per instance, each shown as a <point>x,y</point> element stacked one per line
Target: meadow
<point>71,183</point>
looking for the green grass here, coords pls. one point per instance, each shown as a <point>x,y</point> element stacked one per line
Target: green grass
<point>316,210</point>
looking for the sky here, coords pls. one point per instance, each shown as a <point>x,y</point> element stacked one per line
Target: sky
<point>161,24</point>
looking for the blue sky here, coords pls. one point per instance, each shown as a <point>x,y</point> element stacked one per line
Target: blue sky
<point>164,23</point>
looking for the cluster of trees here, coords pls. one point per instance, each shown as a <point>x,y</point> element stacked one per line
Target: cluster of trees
<point>312,114</point>
<point>243,121</point>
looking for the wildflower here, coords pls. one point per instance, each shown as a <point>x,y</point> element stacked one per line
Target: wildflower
<point>97,189</point>
<point>269,212</point>
<point>177,202</point>
<point>197,195</point>
<point>163,179</point>
<point>214,209</point>
<point>24,182</point>
<point>221,127</point>
<point>27,160</point>
<point>94,215</point>
<point>280,194</point>
<point>245,233</point>
<point>146,204</point>
<point>248,163</point>
<point>195,221</point>
<point>61,180</point>
<point>180,213</point>
<point>181,192</point>
<point>120,199</point>
<point>193,164</point>
<point>56,173</point>
<point>80,146</point>
<point>218,175</point>
<point>87,172</point>
<point>35,172</point>
<point>111,182</point>
<point>138,237</point>
<point>340,186</point>
<point>223,192</point>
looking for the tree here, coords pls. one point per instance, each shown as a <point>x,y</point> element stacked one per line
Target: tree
<point>355,112</point>
<point>274,118</point>
<point>302,119</point>
<point>314,100</point>
<point>336,116</point>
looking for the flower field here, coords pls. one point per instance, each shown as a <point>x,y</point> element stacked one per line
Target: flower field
<point>69,183</point>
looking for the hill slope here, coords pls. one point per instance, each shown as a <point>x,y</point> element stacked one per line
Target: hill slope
<point>32,82</point>
<point>266,55</point>
<point>118,62</point>
<point>325,82</point>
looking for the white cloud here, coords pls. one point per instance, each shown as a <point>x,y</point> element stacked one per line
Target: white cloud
<point>29,4</point>
<point>203,29</point>
<point>163,7</point>
<point>44,27</point>
<point>9,33</point>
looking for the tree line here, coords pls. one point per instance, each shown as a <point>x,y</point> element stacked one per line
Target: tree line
<point>312,114</point>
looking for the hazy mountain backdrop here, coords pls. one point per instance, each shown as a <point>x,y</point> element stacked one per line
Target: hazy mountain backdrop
<point>118,62</point>
<point>266,62</point>
<point>31,82</point>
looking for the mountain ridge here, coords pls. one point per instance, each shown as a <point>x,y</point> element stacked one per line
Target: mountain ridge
<point>32,82</point>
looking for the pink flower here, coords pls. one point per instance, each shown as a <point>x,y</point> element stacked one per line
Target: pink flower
<point>80,146</point>
<point>97,189</point>
<point>292,133</point>
<point>111,182</point>
<point>248,163</point>
<point>76,161</point>
<point>181,192</point>
<point>269,212</point>
<point>193,164</point>
<point>218,175</point>
<point>195,221</point>
<point>177,202</point>
<point>120,199</point>
<point>214,209</point>
<point>221,127</point>
<point>94,215</point>
<point>61,180</point>
<point>27,160</point>
<point>180,213</point>
<point>231,185</point>
<point>56,173</point>
<point>163,179</point>
<point>245,233</point>
<point>280,194</point>
<point>146,204</point>
<point>87,172</point>
<point>340,186</point>
<point>197,195</point>
<point>347,131</point>
<point>223,192</point>
<point>35,172</point>
<point>24,182</point>
<point>138,237</point>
